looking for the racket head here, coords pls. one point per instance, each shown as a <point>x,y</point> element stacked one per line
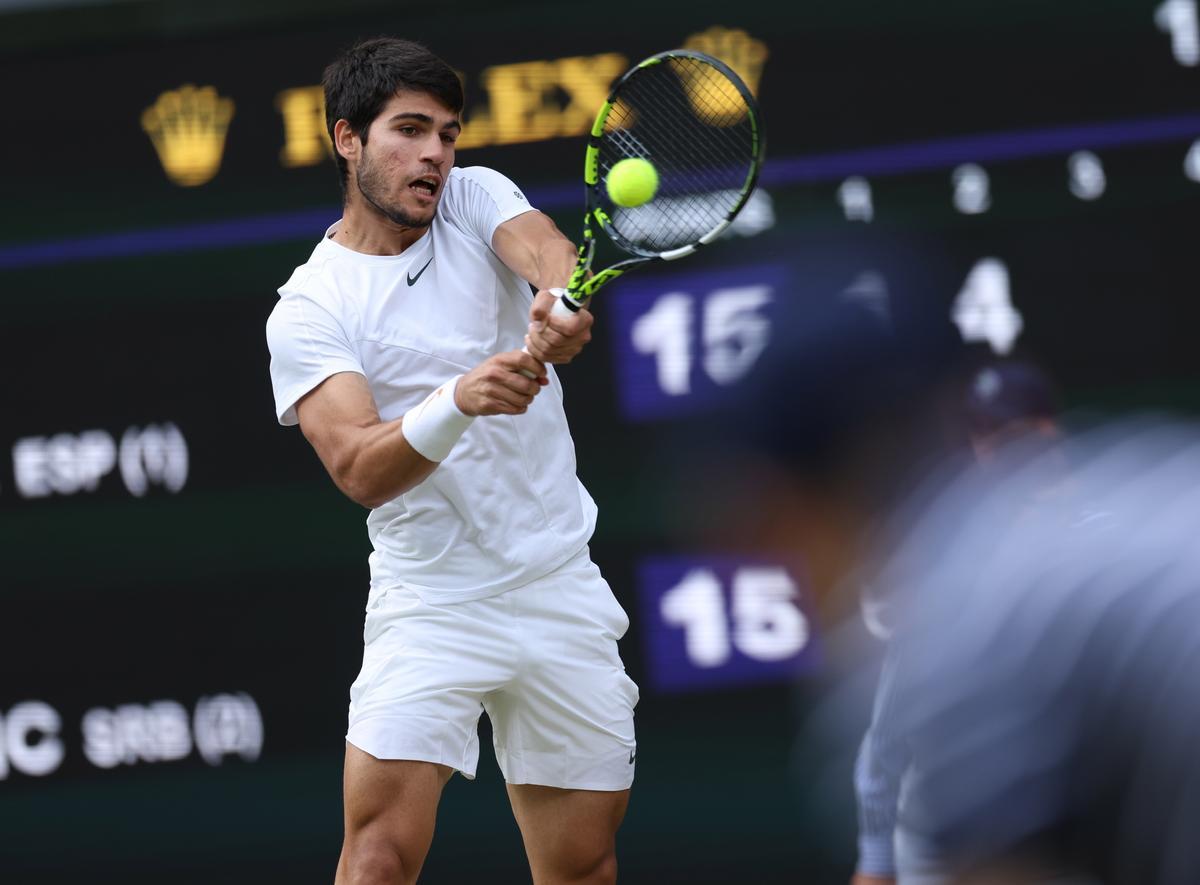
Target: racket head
<point>694,119</point>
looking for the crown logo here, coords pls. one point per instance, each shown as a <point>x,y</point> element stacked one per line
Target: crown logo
<point>736,48</point>
<point>187,126</point>
<point>746,55</point>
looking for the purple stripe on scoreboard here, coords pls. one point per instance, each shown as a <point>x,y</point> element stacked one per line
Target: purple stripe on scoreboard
<point>986,147</point>
<point>684,341</point>
<point>305,224</point>
<point>881,160</point>
<point>718,621</point>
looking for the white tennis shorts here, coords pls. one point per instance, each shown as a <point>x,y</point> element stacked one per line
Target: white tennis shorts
<point>541,660</point>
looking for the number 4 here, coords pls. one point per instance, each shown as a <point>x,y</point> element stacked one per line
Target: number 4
<point>1179,19</point>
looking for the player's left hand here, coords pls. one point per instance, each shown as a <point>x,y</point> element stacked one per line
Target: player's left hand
<point>556,339</point>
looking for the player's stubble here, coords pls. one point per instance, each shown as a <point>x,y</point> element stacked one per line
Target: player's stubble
<point>373,183</point>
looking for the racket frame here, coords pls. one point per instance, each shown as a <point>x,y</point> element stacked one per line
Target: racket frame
<point>581,286</point>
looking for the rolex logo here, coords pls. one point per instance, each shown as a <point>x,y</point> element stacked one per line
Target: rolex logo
<point>187,126</point>
<point>740,51</point>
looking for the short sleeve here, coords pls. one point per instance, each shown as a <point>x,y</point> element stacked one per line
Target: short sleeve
<point>481,200</point>
<point>307,344</point>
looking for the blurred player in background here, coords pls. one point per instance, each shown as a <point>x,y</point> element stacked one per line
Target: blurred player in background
<point>1048,663</point>
<point>1044,605</point>
<point>398,349</point>
<point>1006,402</point>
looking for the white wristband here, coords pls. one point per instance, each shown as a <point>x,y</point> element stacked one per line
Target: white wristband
<point>434,426</point>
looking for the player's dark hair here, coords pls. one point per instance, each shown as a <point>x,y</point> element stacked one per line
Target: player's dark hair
<point>362,80</point>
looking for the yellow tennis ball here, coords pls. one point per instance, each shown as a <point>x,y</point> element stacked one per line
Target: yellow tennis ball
<point>631,182</point>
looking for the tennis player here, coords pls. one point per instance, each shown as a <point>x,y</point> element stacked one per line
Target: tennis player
<point>398,348</point>
<point>1006,402</point>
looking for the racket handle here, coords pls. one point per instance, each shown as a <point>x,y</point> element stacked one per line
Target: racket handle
<point>564,306</point>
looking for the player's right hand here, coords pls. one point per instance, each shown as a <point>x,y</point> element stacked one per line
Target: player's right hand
<point>498,387</point>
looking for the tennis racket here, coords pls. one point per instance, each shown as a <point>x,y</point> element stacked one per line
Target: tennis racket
<point>691,117</point>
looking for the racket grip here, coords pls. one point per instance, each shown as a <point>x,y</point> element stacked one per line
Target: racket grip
<point>564,306</point>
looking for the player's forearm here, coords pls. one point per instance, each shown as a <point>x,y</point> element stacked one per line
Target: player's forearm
<point>532,247</point>
<point>555,262</point>
<point>876,855</point>
<point>385,460</point>
<point>378,464</point>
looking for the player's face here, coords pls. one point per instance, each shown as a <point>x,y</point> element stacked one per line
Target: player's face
<point>408,153</point>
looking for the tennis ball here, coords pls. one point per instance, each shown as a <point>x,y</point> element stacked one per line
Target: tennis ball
<point>631,182</point>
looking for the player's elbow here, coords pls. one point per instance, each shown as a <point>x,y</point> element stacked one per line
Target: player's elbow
<point>367,468</point>
<point>359,484</point>
<point>365,495</point>
<point>370,488</point>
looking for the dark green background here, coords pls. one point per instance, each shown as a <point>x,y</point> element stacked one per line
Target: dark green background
<point>253,578</point>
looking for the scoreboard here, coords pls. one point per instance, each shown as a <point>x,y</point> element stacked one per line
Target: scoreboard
<point>182,588</point>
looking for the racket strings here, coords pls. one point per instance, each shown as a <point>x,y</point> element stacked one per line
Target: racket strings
<point>707,149</point>
<point>705,88</point>
<point>693,123</point>
<point>708,173</point>
<point>705,140</point>
<point>708,155</point>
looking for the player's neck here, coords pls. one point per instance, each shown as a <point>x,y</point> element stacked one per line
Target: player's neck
<point>364,229</point>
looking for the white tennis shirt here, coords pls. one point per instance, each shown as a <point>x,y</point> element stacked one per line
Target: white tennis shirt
<point>505,507</point>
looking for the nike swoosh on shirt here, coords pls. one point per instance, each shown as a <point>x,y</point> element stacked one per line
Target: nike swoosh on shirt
<point>412,281</point>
